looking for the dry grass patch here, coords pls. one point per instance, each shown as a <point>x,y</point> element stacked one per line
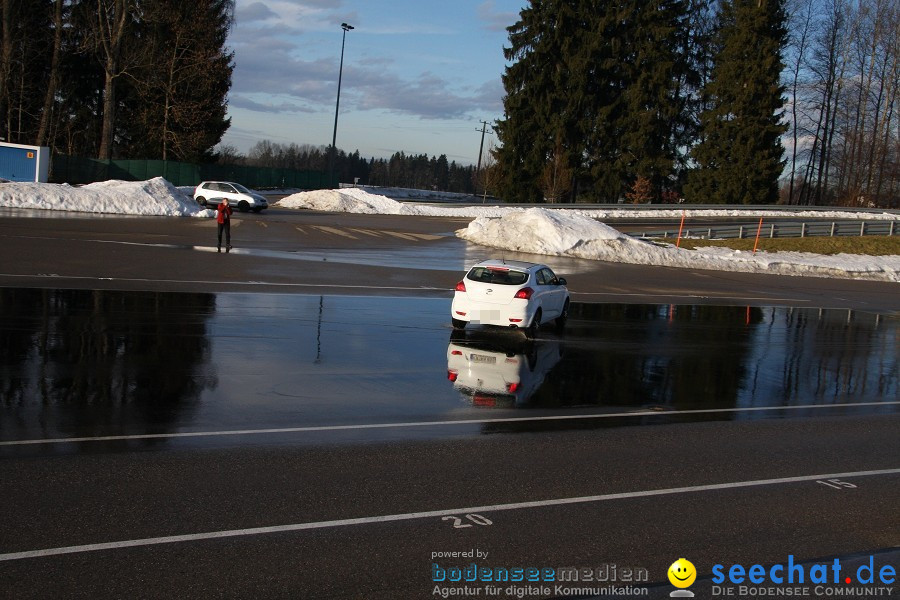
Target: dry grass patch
<point>871,245</point>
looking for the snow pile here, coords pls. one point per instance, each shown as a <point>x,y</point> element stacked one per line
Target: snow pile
<point>154,197</point>
<point>747,213</point>
<point>415,194</point>
<point>577,233</point>
<point>350,201</point>
<point>565,232</point>
<point>357,200</point>
<point>558,233</point>
<point>539,231</point>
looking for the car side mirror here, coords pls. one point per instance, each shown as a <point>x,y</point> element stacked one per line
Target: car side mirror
<point>560,281</point>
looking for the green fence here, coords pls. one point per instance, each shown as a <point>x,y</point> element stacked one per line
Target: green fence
<point>78,170</point>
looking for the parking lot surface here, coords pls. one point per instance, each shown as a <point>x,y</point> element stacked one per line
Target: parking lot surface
<point>282,422</point>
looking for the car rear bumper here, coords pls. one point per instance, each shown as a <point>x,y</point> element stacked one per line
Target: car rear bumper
<point>513,314</point>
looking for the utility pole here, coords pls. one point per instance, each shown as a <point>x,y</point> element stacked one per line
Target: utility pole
<point>483,129</point>
<point>484,125</point>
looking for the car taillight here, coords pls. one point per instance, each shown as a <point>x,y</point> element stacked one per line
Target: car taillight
<point>461,286</point>
<point>452,375</point>
<point>524,293</point>
<point>456,352</point>
<point>512,387</point>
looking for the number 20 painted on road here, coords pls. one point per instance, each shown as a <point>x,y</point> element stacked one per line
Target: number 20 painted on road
<point>836,484</point>
<point>477,519</point>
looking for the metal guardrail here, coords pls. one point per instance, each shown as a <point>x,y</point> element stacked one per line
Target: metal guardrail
<point>782,230</point>
<point>745,210</point>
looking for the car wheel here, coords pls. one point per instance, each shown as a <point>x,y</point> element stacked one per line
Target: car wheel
<point>243,206</point>
<point>563,317</point>
<point>201,201</point>
<point>457,324</point>
<point>532,329</point>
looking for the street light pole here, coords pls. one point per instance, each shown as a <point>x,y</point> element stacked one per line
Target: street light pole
<point>337,107</point>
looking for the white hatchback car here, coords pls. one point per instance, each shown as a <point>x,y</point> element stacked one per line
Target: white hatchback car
<point>211,192</point>
<point>510,294</point>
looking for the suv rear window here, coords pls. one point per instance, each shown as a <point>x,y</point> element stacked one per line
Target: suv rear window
<point>500,276</point>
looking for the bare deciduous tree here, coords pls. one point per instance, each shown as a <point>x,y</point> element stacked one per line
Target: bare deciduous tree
<point>641,191</point>
<point>111,21</point>
<point>53,79</point>
<point>556,178</point>
<point>845,117</point>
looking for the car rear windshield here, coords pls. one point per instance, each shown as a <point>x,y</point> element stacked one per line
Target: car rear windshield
<point>495,275</point>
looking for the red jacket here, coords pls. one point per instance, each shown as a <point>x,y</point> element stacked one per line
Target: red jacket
<point>223,213</point>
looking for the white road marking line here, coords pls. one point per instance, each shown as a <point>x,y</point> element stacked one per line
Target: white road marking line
<point>368,232</point>
<point>703,296</point>
<point>321,428</point>
<point>403,236</point>
<point>334,231</point>
<point>213,282</point>
<point>211,535</point>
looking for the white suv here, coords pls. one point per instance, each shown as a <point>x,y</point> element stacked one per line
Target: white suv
<point>211,192</point>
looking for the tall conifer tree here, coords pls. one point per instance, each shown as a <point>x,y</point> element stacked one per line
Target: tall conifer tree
<point>598,82</point>
<point>646,69</point>
<point>740,157</point>
<point>533,94</point>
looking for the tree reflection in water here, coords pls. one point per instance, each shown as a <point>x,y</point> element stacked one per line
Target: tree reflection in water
<point>81,362</point>
<point>622,358</point>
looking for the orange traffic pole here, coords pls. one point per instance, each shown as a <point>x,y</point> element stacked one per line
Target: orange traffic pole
<point>758,230</point>
<point>680,227</point>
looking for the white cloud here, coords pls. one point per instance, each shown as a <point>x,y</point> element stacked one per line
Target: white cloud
<point>246,103</point>
<point>492,20</point>
<point>254,12</point>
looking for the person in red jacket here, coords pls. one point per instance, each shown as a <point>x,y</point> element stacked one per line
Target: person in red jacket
<point>223,218</point>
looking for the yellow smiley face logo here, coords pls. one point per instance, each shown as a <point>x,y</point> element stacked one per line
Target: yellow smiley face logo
<point>682,573</point>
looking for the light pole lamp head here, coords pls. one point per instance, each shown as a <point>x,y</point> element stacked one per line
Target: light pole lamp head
<point>346,27</point>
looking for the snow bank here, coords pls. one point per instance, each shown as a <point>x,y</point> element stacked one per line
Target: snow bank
<point>154,197</point>
<point>575,233</point>
<point>357,200</point>
<point>558,233</point>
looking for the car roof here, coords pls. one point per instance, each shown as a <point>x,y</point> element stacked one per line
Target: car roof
<point>507,264</point>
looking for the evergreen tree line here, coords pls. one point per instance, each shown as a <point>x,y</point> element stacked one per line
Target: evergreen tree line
<point>646,100</point>
<point>657,100</point>
<point>417,171</point>
<point>116,78</point>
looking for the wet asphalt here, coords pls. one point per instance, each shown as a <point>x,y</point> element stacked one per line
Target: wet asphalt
<point>315,445</point>
<point>288,251</point>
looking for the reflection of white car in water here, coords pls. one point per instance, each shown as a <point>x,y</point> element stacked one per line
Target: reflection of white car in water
<point>512,294</point>
<point>497,372</point>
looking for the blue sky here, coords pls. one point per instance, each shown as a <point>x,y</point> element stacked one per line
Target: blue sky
<point>418,75</point>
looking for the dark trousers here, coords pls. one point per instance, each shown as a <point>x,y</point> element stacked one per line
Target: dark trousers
<point>227,227</point>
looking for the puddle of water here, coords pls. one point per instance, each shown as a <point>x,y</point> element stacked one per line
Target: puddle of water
<point>449,254</point>
<point>77,363</point>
